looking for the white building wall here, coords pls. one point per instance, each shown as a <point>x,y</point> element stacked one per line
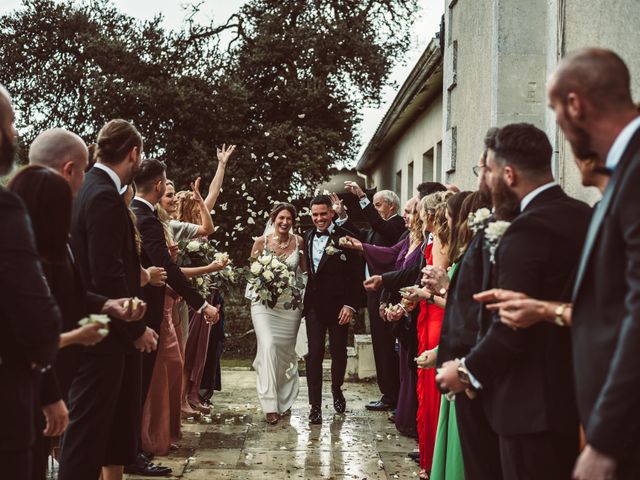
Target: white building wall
<point>423,135</point>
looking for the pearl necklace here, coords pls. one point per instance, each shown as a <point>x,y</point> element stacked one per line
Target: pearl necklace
<point>281,245</point>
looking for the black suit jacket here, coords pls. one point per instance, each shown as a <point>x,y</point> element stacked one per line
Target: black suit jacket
<point>383,232</point>
<point>75,302</point>
<point>527,374</point>
<point>103,243</point>
<point>337,281</point>
<point>460,325</point>
<point>155,253</point>
<point>30,323</point>
<point>606,315</point>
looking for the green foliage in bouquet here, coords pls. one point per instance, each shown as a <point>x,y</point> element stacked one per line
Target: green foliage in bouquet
<point>269,278</point>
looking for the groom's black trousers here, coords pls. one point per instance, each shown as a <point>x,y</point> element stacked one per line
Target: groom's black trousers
<point>318,323</point>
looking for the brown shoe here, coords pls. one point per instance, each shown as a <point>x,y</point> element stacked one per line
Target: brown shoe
<point>272,418</point>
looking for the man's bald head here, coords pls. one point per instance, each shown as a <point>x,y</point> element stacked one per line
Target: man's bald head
<point>598,75</point>
<point>7,132</point>
<point>63,151</point>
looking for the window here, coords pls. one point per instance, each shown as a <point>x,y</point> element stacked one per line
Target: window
<point>410,185</point>
<point>427,166</point>
<point>399,183</point>
<point>438,164</point>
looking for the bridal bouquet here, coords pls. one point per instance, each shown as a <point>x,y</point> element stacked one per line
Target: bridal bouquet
<point>269,278</point>
<point>195,253</point>
<point>228,276</point>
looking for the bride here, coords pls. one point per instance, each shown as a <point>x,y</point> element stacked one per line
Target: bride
<point>276,362</point>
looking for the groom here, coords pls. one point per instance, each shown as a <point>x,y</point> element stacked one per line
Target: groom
<point>333,293</point>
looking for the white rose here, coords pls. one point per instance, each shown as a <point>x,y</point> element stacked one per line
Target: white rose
<point>495,230</point>
<point>200,281</point>
<point>193,246</point>
<point>265,260</point>
<point>267,275</point>
<point>482,215</point>
<point>275,263</point>
<point>256,268</point>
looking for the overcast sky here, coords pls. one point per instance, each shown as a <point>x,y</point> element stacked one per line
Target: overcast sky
<point>423,30</point>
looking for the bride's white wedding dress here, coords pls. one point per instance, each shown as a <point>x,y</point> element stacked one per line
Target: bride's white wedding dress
<point>276,362</point>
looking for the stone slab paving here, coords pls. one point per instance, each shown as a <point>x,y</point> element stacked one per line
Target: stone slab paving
<point>238,444</point>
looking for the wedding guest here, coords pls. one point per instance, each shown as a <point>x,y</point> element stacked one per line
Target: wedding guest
<point>448,461</point>
<point>150,182</point>
<point>276,362</point>
<point>479,442</point>
<point>382,259</point>
<point>330,300</point>
<point>393,281</point>
<point>191,209</point>
<point>38,186</point>
<point>105,394</point>
<point>387,226</point>
<point>526,375</point>
<point>428,327</point>
<point>591,97</point>
<point>30,319</point>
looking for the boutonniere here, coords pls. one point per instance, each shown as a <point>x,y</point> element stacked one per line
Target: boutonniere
<point>478,220</point>
<point>493,233</point>
<point>331,250</point>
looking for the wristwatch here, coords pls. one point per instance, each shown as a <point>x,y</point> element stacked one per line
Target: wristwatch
<point>463,375</point>
<point>559,311</point>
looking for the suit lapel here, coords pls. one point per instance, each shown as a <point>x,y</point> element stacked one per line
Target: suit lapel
<point>603,208</point>
<point>594,228</point>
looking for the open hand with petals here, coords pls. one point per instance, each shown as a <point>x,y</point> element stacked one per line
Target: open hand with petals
<point>338,205</point>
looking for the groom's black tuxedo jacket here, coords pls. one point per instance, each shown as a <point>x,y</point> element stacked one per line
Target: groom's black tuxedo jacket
<point>527,374</point>
<point>103,243</point>
<point>337,282</point>
<point>606,316</point>
<point>30,323</point>
<point>155,253</point>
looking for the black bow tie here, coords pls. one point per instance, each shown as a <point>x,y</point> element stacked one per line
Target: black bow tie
<point>322,234</point>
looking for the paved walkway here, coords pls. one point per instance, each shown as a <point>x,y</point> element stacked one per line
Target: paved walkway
<point>238,444</point>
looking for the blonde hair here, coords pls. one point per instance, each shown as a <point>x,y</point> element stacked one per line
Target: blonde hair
<point>188,209</point>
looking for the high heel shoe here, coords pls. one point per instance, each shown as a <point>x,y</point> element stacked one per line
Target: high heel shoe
<point>272,418</point>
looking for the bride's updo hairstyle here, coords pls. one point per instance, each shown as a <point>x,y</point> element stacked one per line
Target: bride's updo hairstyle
<point>115,141</point>
<point>279,207</point>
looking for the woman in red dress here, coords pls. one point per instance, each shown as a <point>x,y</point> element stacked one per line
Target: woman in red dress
<point>428,329</point>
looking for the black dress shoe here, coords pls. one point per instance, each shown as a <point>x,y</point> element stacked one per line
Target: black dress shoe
<point>339,403</point>
<point>148,456</point>
<point>415,456</point>
<point>315,416</point>
<point>379,406</point>
<point>148,469</point>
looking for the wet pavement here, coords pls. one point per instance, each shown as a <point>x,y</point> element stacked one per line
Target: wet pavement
<point>238,444</point>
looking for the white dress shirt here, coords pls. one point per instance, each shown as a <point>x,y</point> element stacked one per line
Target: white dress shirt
<point>620,143</point>
<point>318,245</point>
<point>147,203</point>
<point>526,200</point>
<point>112,175</point>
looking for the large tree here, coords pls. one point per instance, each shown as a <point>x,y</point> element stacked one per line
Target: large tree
<point>287,89</point>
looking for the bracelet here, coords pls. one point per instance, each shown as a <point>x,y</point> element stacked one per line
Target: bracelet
<point>559,311</point>
<point>431,299</point>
